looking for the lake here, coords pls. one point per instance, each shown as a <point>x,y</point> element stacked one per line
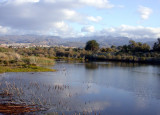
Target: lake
<point>102,88</point>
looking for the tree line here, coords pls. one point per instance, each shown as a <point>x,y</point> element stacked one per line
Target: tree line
<point>134,51</point>
<point>133,47</point>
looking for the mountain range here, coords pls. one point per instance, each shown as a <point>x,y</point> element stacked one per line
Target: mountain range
<point>104,41</point>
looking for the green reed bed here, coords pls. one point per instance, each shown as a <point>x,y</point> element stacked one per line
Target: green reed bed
<point>29,68</point>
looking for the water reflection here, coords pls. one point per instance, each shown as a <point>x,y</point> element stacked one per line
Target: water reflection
<point>99,87</point>
<point>95,65</point>
<point>91,66</point>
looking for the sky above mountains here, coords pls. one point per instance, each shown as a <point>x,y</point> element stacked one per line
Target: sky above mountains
<point>75,18</point>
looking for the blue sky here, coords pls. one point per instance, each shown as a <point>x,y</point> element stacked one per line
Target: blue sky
<point>74,18</point>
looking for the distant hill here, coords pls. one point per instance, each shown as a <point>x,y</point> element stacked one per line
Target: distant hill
<point>104,41</point>
<point>30,39</point>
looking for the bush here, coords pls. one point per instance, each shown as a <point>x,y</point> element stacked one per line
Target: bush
<point>38,60</point>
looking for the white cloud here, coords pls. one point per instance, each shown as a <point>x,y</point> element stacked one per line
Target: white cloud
<point>145,12</point>
<point>61,26</point>
<point>19,2</point>
<point>94,19</point>
<point>69,13</point>
<point>93,3</point>
<point>88,29</point>
<point>131,31</point>
<point>72,15</point>
<point>41,15</point>
<point>50,1</point>
<point>4,30</point>
<point>61,29</point>
<point>97,3</point>
<point>52,16</point>
<point>36,16</point>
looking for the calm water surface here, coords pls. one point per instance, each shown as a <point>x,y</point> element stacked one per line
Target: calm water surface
<point>104,88</point>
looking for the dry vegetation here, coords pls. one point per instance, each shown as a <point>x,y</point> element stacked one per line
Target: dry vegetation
<point>10,108</point>
<point>13,62</point>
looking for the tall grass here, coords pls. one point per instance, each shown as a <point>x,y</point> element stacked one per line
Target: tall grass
<point>39,60</point>
<point>13,62</point>
<point>12,58</point>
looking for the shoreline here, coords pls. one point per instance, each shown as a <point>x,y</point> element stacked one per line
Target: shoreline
<point>151,62</point>
<point>4,69</point>
<point>93,59</point>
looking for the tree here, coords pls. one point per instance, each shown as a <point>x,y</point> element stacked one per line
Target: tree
<point>138,46</point>
<point>156,46</point>
<point>113,47</point>
<point>92,45</point>
<point>145,47</point>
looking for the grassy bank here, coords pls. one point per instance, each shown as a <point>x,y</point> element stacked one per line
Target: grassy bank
<point>14,62</point>
<point>29,68</point>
